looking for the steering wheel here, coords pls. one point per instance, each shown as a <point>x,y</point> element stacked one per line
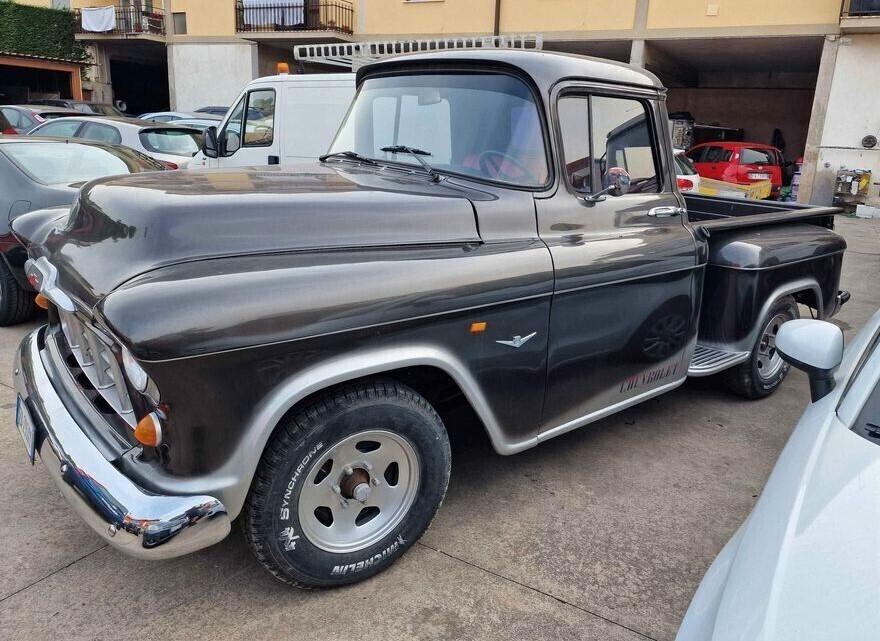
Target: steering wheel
<point>495,169</point>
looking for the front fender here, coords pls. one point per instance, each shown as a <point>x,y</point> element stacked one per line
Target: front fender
<point>230,483</point>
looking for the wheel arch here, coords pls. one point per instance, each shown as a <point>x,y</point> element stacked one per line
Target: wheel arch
<point>417,366</point>
<point>802,289</point>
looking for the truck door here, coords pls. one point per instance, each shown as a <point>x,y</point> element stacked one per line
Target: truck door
<point>249,131</point>
<point>624,314</point>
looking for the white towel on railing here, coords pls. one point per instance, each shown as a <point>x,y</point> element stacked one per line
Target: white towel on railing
<point>288,13</point>
<point>99,19</point>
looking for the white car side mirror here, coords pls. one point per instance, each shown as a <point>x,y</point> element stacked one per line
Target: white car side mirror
<point>814,346</point>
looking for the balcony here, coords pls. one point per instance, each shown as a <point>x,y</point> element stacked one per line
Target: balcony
<point>860,16</point>
<point>121,22</point>
<point>295,20</point>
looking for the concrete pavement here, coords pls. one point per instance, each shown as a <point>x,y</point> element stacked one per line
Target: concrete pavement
<point>603,533</point>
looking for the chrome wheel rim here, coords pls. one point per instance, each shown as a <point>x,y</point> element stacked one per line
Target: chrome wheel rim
<point>770,362</point>
<point>359,491</point>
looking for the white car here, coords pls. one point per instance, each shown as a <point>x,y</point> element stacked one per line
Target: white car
<point>166,116</point>
<point>805,565</point>
<point>172,144</point>
<point>688,178</point>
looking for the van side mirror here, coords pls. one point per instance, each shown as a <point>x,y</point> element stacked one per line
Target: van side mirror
<point>815,347</point>
<point>209,143</point>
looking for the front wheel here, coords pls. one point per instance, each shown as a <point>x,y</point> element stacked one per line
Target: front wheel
<point>765,369</point>
<point>347,485</point>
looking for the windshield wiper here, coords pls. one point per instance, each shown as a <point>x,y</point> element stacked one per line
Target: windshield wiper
<point>351,155</point>
<point>416,153</point>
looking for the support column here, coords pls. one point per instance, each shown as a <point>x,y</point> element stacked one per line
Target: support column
<point>809,190</point>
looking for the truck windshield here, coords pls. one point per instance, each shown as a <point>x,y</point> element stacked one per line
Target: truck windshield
<point>481,125</point>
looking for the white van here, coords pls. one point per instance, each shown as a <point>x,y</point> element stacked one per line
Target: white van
<point>285,119</point>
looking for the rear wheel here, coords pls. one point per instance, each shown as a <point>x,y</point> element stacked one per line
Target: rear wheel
<point>347,485</point>
<point>765,369</point>
<point>16,304</point>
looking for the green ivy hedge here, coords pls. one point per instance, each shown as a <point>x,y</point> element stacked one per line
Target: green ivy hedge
<point>39,31</point>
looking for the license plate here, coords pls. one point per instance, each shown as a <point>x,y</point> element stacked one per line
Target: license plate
<point>25,426</point>
<point>759,176</point>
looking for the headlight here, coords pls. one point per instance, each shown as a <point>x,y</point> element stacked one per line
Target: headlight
<point>136,374</point>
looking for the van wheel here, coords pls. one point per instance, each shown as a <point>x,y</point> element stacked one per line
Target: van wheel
<point>347,484</point>
<point>765,369</point>
<point>16,304</point>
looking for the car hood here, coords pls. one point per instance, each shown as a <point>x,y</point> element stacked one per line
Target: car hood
<point>125,226</point>
<point>805,565</point>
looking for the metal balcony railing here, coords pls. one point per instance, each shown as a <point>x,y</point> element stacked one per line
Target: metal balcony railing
<point>856,8</point>
<point>128,20</point>
<point>294,15</point>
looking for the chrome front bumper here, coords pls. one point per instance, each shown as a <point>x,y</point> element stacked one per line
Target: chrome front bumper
<point>137,522</point>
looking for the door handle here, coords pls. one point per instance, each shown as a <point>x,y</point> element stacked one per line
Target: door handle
<point>665,212</point>
<point>273,160</point>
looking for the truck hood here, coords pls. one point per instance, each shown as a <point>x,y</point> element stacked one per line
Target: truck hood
<point>804,566</point>
<point>125,226</point>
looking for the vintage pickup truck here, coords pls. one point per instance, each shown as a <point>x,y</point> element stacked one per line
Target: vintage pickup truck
<point>285,345</point>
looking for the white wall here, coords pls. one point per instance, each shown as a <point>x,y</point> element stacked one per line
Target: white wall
<point>202,74</point>
<point>853,112</point>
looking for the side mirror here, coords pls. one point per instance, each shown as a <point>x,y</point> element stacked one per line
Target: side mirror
<point>209,143</point>
<point>616,183</point>
<point>815,347</point>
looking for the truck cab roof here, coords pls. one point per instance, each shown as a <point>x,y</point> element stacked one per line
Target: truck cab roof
<point>544,67</point>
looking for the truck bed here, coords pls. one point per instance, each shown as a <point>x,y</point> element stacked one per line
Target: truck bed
<point>708,214</point>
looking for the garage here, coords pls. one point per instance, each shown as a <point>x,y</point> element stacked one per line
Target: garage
<point>26,77</point>
<point>757,90</point>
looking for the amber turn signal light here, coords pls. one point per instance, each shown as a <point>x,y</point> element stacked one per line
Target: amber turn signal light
<point>478,328</point>
<point>41,301</point>
<point>148,431</point>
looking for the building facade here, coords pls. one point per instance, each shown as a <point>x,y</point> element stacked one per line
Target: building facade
<point>800,73</point>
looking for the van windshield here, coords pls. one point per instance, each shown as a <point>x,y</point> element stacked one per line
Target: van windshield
<point>481,125</point>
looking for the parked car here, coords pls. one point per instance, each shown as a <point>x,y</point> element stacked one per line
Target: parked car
<point>214,110</point>
<point>84,106</point>
<point>23,118</point>
<point>438,259</point>
<point>687,176</point>
<point>166,116</point>
<point>172,144</point>
<point>36,173</point>
<point>804,565</point>
<point>739,162</point>
<point>6,127</point>
<point>199,123</point>
<point>271,112</point>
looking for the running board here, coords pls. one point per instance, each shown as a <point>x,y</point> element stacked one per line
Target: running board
<point>710,360</point>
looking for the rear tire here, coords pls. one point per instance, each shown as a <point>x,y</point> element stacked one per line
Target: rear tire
<point>347,485</point>
<point>16,304</point>
<point>765,369</point>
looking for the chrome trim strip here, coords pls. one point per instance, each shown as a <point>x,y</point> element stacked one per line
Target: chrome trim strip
<point>139,523</point>
<point>602,413</point>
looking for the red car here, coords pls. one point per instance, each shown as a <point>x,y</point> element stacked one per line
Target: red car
<point>739,162</point>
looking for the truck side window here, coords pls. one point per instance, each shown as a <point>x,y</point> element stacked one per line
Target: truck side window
<point>259,118</point>
<point>574,125</point>
<point>622,139</point>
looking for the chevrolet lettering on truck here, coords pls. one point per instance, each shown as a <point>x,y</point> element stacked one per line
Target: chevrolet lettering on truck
<point>287,347</point>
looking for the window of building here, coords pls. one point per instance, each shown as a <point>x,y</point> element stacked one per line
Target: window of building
<point>179,19</point>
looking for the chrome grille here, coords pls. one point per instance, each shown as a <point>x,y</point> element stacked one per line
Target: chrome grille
<point>98,362</point>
